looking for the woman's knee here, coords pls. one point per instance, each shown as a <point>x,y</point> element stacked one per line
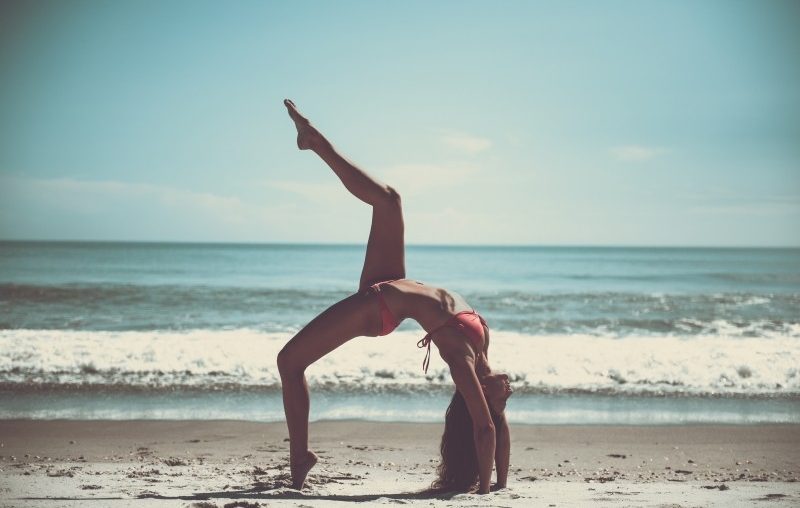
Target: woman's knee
<point>391,197</point>
<point>288,362</point>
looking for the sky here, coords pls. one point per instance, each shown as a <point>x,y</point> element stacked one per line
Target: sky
<point>673,123</point>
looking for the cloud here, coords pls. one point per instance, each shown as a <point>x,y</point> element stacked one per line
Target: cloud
<point>73,192</point>
<point>763,206</point>
<point>635,153</point>
<point>64,208</point>
<point>313,191</point>
<point>415,178</point>
<point>466,143</point>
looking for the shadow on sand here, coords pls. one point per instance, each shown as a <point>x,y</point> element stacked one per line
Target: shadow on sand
<point>263,494</point>
<point>274,487</point>
<point>287,493</point>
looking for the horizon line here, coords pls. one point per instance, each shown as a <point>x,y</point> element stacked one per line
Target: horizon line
<point>358,244</point>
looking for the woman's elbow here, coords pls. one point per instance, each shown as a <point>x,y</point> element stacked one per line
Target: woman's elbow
<point>486,432</point>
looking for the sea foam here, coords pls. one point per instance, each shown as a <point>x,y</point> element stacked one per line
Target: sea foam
<point>245,359</point>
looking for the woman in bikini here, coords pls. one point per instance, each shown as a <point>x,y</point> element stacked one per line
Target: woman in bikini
<point>476,433</point>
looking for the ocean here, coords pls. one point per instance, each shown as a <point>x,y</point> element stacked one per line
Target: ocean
<point>586,334</point>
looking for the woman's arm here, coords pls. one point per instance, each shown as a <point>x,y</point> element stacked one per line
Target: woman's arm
<point>502,451</point>
<point>463,371</point>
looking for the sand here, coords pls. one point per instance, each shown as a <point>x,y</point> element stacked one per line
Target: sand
<point>54,463</point>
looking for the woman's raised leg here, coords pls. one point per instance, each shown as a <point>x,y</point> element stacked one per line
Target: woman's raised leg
<point>352,317</point>
<point>385,257</point>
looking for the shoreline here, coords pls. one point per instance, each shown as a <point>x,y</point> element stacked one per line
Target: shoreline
<point>426,406</point>
<point>185,462</point>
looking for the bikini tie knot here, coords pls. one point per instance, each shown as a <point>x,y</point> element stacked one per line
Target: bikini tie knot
<point>425,342</point>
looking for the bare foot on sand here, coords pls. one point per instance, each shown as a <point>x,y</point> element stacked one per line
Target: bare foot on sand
<point>307,135</point>
<point>300,469</point>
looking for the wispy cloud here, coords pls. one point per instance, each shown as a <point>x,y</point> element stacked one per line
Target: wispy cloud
<point>635,153</point>
<point>415,178</point>
<point>107,209</point>
<point>313,191</point>
<point>230,208</point>
<point>466,142</point>
<point>96,196</point>
<point>750,206</point>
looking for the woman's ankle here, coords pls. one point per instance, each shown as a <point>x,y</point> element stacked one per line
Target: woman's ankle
<point>299,457</point>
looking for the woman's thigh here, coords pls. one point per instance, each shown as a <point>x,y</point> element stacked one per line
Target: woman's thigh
<point>385,257</point>
<point>355,316</point>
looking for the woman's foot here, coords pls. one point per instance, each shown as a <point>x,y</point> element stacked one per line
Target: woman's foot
<point>301,468</point>
<point>307,135</point>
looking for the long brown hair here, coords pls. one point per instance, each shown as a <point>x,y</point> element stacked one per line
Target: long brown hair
<point>458,469</point>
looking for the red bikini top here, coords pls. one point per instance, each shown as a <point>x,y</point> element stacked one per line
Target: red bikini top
<point>465,321</point>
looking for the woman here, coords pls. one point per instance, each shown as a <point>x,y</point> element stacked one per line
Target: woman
<point>384,299</point>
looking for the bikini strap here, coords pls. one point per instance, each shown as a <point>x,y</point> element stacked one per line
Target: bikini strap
<point>376,289</point>
<point>423,342</point>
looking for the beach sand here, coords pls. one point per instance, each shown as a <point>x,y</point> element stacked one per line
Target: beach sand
<point>54,463</point>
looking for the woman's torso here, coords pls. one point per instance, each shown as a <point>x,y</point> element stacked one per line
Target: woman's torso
<point>432,307</point>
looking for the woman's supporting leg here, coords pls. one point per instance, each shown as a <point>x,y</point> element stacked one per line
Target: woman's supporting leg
<point>385,257</point>
<point>352,317</point>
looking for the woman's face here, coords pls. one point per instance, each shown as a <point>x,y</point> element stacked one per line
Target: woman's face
<point>497,390</point>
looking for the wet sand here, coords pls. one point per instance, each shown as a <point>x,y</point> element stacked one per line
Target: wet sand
<point>220,464</point>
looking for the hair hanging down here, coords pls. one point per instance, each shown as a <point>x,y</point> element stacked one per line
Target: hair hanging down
<point>458,469</point>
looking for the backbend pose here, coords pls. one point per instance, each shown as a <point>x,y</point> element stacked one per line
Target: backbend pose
<point>476,432</point>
